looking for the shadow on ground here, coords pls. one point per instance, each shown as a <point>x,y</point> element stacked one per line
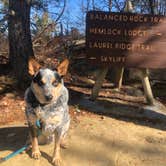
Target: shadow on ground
<point>13,138</point>
<point>137,113</point>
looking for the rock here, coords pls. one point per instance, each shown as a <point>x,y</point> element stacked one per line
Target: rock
<point>10,95</point>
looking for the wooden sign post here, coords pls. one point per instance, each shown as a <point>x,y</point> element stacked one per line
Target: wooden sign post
<point>120,70</point>
<point>125,40</point>
<point>144,77</point>
<point>147,87</point>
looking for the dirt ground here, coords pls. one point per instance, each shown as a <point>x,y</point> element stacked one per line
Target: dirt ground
<point>94,140</point>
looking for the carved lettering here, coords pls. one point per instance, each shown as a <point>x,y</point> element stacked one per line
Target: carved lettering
<point>120,17</point>
<point>135,33</point>
<point>117,32</point>
<point>107,45</point>
<point>156,19</point>
<point>118,59</point>
<point>114,37</point>
<point>105,31</point>
<point>133,47</point>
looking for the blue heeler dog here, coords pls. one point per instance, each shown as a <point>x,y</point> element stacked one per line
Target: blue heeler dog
<point>47,102</point>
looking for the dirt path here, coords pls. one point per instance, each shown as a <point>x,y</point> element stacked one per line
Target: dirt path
<point>95,140</point>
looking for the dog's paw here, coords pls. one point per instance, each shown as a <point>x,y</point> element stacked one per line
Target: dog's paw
<point>36,154</point>
<point>57,161</point>
<point>64,145</point>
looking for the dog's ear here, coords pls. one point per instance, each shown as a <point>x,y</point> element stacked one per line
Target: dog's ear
<point>33,66</point>
<point>63,67</point>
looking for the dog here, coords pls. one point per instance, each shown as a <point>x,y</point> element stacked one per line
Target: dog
<point>47,102</point>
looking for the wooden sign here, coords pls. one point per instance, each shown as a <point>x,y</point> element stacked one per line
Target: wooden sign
<point>126,39</point>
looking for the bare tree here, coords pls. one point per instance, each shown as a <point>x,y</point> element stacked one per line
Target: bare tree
<point>152,6</point>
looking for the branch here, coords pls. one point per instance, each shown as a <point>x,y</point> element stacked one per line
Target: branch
<point>36,4</point>
<point>60,15</point>
<point>4,11</point>
<point>110,5</point>
<point>40,34</point>
<point>117,5</point>
<point>151,5</point>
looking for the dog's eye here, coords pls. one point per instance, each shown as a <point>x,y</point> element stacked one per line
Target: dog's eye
<point>38,79</point>
<point>55,83</point>
<point>40,83</point>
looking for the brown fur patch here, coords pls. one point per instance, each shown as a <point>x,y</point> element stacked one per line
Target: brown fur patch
<point>44,81</point>
<point>57,91</point>
<point>39,93</point>
<point>63,67</point>
<point>33,66</point>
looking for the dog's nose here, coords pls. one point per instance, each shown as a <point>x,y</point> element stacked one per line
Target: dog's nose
<point>48,97</point>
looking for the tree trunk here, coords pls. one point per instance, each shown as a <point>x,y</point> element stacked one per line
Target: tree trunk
<point>151,6</point>
<point>20,44</point>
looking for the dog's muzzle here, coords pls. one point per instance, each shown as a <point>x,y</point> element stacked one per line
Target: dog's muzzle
<point>48,97</point>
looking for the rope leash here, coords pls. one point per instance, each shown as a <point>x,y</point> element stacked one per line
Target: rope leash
<point>21,149</point>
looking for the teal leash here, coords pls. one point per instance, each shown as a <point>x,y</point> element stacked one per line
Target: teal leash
<point>38,124</point>
<point>14,153</point>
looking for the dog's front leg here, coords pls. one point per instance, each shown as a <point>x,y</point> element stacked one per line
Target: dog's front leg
<point>35,148</point>
<point>56,155</point>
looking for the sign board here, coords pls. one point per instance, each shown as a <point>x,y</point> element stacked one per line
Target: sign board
<point>126,39</point>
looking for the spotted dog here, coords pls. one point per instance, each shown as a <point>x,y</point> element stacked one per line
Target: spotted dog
<point>47,102</point>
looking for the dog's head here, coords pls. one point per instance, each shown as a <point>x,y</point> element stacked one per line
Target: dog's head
<point>47,84</point>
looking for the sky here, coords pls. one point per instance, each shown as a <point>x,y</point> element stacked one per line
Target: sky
<point>73,11</point>
<point>73,7</point>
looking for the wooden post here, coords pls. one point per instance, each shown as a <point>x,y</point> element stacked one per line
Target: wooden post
<point>147,87</point>
<point>99,81</point>
<point>120,70</point>
<point>102,72</point>
<point>144,72</point>
<point>119,77</point>
<point>119,74</point>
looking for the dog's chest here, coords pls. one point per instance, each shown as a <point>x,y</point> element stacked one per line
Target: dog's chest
<point>50,114</point>
<point>50,117</point>
<point>53,115</point>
